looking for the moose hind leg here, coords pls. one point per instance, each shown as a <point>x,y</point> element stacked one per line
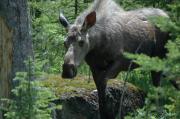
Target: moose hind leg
<point>156,78</point>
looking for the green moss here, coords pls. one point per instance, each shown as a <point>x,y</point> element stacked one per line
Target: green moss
<point>61,86</point>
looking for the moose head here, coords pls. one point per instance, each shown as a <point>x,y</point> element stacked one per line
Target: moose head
<point>76,43</point>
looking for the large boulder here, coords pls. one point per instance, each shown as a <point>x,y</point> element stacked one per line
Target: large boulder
<point>83,103</point>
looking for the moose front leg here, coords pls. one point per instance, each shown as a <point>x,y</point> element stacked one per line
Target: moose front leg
<point>101,78</point>
<point>101,83</point>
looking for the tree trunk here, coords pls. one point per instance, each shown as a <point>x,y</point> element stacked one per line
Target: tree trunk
<point>15,42</point>
<point>76,7</point>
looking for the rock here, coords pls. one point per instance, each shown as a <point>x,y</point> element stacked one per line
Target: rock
<point>83,103</point>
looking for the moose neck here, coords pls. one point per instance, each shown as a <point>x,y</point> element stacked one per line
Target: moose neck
<point>96,37</point>
<point>95,55</point>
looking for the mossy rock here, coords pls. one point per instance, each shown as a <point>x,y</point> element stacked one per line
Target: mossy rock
<point>61,86</point>
<point>79,99</point>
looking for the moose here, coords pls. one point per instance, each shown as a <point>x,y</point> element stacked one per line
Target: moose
<point>101,34</point>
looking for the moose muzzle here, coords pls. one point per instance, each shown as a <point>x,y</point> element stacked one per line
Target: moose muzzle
<point>69,71</point>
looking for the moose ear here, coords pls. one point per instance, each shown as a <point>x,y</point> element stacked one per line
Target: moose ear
<point>63,20</point>
<point>89,21</point>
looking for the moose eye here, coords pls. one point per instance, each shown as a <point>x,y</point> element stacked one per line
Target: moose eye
<point>81,43</point>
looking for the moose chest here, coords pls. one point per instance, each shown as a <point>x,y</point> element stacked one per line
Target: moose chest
<point>99,60</point>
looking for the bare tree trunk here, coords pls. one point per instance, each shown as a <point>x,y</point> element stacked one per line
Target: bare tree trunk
<point>15,42</point>
<point>76,7</point>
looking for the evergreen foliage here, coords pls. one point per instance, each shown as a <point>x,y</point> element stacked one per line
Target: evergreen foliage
<point>31,99</point>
